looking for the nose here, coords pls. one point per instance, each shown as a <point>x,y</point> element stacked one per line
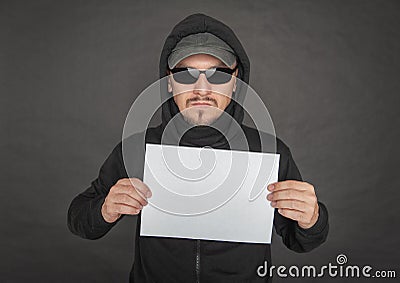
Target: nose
<point>202,86</point>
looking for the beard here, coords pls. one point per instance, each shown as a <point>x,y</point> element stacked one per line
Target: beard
<point>201,116</point>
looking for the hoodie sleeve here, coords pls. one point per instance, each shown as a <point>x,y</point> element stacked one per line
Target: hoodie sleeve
<point>84,213</point>
<point>293,236</point>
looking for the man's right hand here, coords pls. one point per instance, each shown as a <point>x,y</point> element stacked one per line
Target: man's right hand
<point>127,196</point>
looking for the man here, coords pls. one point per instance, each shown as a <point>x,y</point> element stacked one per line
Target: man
<point>204,54</point>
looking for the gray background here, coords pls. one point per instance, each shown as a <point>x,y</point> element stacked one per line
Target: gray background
<point>327,70</point>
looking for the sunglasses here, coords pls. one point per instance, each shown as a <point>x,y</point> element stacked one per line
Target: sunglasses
<point>191,75</point>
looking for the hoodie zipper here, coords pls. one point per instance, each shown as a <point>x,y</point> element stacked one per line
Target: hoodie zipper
<point>198,261</point>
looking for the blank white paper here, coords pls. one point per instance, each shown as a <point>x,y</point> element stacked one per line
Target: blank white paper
<point>194,199</point>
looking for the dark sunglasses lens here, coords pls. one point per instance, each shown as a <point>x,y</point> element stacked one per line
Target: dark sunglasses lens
<point>185,77</point>
<point>219,77</point>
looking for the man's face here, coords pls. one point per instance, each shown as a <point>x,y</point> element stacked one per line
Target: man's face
<point>201,103</point>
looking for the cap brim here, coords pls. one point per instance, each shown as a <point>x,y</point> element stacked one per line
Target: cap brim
<point>178,55</point>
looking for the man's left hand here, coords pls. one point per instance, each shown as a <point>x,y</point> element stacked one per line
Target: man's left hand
<point>295,200</point>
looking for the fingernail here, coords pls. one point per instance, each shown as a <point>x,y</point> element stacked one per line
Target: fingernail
<point>271,187</point>
<point>148,194</point>
<point>273,203</point>
<point>269,196</point>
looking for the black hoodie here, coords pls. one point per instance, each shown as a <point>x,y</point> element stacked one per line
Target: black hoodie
<point>187,260</point>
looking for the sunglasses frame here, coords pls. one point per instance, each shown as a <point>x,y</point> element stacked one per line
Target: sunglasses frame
<point>225,70</point>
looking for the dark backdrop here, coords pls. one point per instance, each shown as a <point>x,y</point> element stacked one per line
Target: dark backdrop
<point>327,70</point>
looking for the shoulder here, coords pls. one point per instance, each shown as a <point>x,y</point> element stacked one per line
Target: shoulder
<point>270,142</point>
<point>130,151</point>
<point>136,142</point>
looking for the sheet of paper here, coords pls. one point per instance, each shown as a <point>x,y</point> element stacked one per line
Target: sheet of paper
<point>209,194</point>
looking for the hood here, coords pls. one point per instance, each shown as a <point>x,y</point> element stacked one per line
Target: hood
<point>199,23</point>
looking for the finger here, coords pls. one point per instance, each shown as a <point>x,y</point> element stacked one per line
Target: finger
<point>124,181</point>
<point>289,184</point>
<point>127,200</point>
<point>289,194</point>
<point>291,214</point>
<point>290,204</point>
<point>141,187</point>
<point>125,209</point>
<point>133,193</point>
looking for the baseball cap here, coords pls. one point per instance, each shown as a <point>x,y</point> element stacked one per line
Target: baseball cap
<point>201,43</point>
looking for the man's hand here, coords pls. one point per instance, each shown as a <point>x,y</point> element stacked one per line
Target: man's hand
<point>295,200</point>
<point>127,196</point>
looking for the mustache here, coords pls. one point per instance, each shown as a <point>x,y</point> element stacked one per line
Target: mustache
<point>197,99</point>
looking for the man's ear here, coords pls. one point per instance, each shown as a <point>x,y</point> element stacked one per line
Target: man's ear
<point>169,82</point>
<point>234,77</point>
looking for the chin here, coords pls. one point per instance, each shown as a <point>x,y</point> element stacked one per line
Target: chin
<point>201,116</point>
